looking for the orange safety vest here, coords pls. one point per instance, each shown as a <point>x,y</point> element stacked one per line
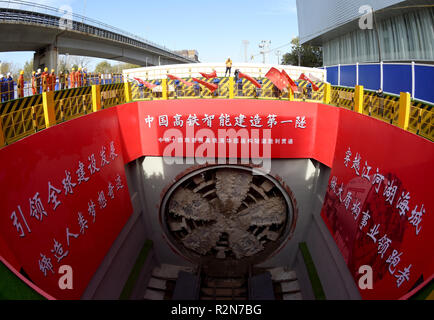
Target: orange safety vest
<point>72,78</point>
<point>20,85</point>
<point>53,82</point>
<point>78,78</point>
<point>34,85</point>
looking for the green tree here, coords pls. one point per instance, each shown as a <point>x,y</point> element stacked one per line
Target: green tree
<point>118,68</point>
<point>103,67</point>
<point>304,55</point>
<point>28,69</point>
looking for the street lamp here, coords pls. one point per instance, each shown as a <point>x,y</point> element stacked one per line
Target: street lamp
<point>265,47</point>
<point>278,53</point>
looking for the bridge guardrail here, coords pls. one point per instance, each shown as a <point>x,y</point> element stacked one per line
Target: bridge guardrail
<point>20,118</point>
<point>10,10</point>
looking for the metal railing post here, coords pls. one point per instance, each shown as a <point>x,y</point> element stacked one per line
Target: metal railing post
<point>96,97</point>
<point>404,110</point>
<point>358,99</point>
<point>49,112</point>
<point>128,93</point>
<point>327,93</point>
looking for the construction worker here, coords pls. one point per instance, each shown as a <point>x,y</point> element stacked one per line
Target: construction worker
<point>44,77</point>
<point>62,80</point>
<point>228,66</point>
<point>78,79</point>
<point>38,81</point>
<point>53,80</point>
<point>85,82</point>
<point>72,78</point>
<point>11,87</point>
<point>20,85</point>
<point>3,89</point>
<point>240,87</point>
<point>258,91</point>
<point>33,82</point>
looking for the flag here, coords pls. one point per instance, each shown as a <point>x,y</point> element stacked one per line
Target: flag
<point>314,86</point>
<point>209,75</point>
<point>313,78</point>
<point>245,76</point>
<point>182,80</point>
<point>291,82</point>
<point>211,86</point>
<point>146,84</point>
<point>276,77</point>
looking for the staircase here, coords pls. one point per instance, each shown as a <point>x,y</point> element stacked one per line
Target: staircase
<point>285,283</point>
<point>163,280</point>
<point>214,288</point>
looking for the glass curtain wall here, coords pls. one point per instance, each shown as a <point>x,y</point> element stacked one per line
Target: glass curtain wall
<point>408,37</point>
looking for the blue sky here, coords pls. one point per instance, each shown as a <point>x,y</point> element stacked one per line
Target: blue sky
<point>215,28</point>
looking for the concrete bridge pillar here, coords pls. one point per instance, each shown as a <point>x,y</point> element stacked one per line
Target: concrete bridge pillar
<point>46,57</point>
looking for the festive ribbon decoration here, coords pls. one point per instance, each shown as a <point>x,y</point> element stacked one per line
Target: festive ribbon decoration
<point>146,84</point>
<point>211,86</point>
<point>209,75</point>
<point>252,80</point>
<point>182,80</point>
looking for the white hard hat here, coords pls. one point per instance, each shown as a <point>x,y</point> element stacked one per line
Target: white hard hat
<point>1,76</point>
<point>39,70</point>
<point>9,74</point>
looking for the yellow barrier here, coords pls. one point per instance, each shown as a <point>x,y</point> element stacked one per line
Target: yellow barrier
<point>25,116</point>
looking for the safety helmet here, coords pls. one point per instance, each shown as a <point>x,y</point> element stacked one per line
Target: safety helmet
<point>157,83</point>
<point>73,69</point>
<point>52,70</point>
<point>21,72</point>
<point>79,69</point>
<point>309,85</point>
<point>45,69</point>
<point>9,74</point>
<point>177,82</point>
<point>39,70</point>
<point>1,76</point>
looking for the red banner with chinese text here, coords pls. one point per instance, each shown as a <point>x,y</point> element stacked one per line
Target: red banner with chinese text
<point>67,200</point>
<point>379,204</point>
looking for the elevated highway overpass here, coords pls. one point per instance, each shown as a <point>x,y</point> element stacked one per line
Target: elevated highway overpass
<point>49,31</point>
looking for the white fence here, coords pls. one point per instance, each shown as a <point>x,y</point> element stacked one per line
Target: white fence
<point>192,70</point>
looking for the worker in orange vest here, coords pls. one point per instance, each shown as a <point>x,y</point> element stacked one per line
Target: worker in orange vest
<point>45,80</point>
<point>78,78</point>
<point>53,80</point>
<point>20,85</point>
<point>72,78</point>
<point>33,82</point>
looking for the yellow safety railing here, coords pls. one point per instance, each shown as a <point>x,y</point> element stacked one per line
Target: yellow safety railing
<point>35,113</point>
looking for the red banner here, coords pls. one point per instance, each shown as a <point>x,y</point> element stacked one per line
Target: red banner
<point>276,77</point>
<point>211,86</point>
<point>67,200</point>
<point>305,78</point>
<point>209,75</point>
<point>252,80</point>
<point>379,204</point>
<point>182,80</point>
<point>292,84</point>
